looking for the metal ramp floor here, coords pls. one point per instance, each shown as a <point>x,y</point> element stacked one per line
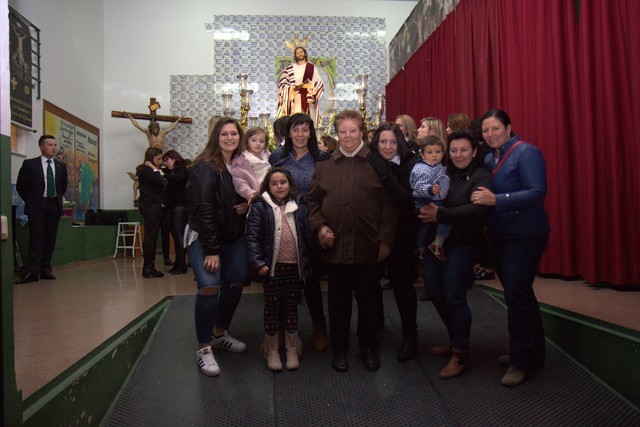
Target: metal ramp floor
<point>167,389</point>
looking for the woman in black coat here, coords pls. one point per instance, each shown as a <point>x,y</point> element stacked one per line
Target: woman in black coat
<point>152,183</point>
<point>393,161</point>
<point>177,176</point>
<point>446,282</point>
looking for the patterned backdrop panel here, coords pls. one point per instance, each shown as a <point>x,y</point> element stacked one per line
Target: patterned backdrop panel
<point>251,44</point>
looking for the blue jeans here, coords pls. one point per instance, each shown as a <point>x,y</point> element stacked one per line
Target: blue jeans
<point>446,285</point>
<point>218,309</point>
<point>423,230</point>
<point>516,263</point>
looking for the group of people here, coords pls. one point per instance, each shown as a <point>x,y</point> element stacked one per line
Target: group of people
<point>495,183</point>
<point>162,180</point>
<point>286,218</point>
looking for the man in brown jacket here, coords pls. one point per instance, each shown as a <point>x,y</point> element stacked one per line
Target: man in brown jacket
<point>355,223</point>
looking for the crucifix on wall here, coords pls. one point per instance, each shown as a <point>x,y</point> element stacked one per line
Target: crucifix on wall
<point>155,134</point>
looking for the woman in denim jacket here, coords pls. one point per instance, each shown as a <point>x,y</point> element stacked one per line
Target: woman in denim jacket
<point>518,233</point>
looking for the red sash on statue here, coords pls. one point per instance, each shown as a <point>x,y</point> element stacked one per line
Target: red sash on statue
<point>308,76</point>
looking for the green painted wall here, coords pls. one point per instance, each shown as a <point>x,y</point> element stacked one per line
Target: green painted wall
<point>609,352</point>
<point>77,243</point>
<point>84,394</point>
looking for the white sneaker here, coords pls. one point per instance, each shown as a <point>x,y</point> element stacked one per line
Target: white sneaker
<point>227,342</point>
<point>207,362</point>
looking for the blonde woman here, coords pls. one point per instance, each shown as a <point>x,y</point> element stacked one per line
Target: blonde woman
<point>431,126</point>
<point>408,127</point>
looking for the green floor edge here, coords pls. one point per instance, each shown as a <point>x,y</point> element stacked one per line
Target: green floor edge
<point>611,353</point>
<point>83,393</point>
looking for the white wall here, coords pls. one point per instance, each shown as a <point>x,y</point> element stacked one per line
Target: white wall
<point>147,41</point>
<point>116,54</point>
<point>72,63</point>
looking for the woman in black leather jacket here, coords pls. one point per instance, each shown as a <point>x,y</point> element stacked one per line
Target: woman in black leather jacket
<point>215,242</point>
<point>176,202</point>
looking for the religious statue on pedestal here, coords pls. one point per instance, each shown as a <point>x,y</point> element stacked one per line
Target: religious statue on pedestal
<point>300,86</point>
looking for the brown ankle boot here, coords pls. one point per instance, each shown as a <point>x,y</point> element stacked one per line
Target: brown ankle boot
<point>320,342</point>
<point>270,352</point>
<point>459,361</point>
<point>294,349</point>
<point>441,350</point>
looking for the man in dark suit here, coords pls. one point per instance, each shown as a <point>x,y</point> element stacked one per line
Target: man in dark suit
<point>42,182</point>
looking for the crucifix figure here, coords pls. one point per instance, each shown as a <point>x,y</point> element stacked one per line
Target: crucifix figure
<point>155,134</point>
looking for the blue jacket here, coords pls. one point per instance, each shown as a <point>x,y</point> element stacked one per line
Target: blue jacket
<point>260,234</point>
<point>520,186</point>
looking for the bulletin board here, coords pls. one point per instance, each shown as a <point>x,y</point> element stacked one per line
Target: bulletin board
<point>78,147</point>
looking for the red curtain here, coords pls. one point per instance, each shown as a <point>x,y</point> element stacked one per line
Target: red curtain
<point>567,73</point>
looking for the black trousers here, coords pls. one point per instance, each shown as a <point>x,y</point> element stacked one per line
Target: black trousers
<point>165,232</point>
<point>401,269</point>
<point>345,282</point>
<point>152,215</point>
<point>43,230</point>
<point>313,292</point>
<point>178,217</point>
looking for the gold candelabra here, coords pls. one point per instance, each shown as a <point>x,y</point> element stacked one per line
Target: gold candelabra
<point>245,99</point>
<point>363,87</point>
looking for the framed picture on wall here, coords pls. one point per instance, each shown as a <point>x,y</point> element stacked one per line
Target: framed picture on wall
<point>78,147</point>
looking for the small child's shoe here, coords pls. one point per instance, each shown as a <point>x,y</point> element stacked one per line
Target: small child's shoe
<point>437,251</point>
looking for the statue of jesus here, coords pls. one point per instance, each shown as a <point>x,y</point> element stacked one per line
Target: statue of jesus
<point>300,87</point>
<point>155,135</point>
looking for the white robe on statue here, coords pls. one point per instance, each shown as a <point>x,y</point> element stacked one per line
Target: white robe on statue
<point>291,76</point>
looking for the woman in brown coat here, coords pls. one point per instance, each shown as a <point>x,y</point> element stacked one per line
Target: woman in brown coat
<point>355,223</point>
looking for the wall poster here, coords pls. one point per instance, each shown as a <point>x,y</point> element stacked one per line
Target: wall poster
<point>20,67</point>
<point>78,147</point>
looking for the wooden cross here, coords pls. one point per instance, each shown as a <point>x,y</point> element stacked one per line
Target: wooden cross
<point>153,107</point>
<point>155,135</point>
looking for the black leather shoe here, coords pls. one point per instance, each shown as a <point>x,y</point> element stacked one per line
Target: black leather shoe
<point>483,274</point>
<point>47,276</point>
<point>150,273</point>
<point>408,350</point>
<point>340,362</point>
<point>178,270</point>
<point>30,277</point>
<point>371,360</point>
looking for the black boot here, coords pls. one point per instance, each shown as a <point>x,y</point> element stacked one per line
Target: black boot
<point>408,350</point>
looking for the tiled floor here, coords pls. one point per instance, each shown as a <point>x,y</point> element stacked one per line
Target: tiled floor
<point>56,323</point>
